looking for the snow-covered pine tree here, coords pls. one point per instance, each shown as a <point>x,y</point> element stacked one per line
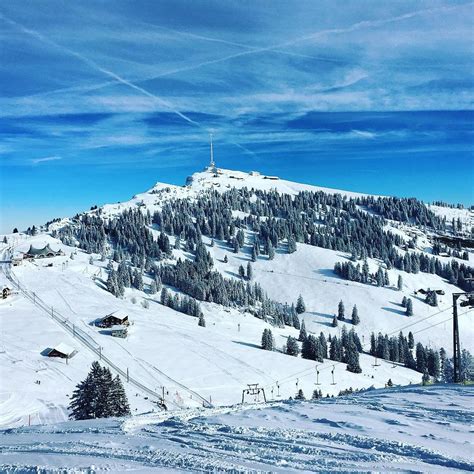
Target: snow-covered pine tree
<point>409,311</point>
<point>340,311</point>
<point>118,399</point>
<point>400,283</point>
<point>352,358</point>
<point>355,316</point>
<point>268,342</point>
<point>300,306</point>
<point>202,321</point>
<point>300,395</point>
<point>249,271</point>
<point>303,335</point>
<point>292,347</point>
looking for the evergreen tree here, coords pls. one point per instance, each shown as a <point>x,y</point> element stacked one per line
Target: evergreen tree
<point>303,333</point>
<point>98,396</point>
<point>425,380</point>
<point>400,283</point>
<point>249,271</point>
<point>202,321</point>
<point>268,342</point>
<point>153,288</point>
<point>404,301</point>
<point>421,363</point>
<point>334,322</point>
<point>300,395</point>
<point>292,347</point>
<point>271,252</point>
<point>241,271</point>
<point>340,311</point>
<point>411,341</point>
<point>225,259</point>
<point>355,316</point>
<point>118,399</point>
<point>352,358</point>
<point>373,350</point>
<point>300,306</point>
<point>409,311</point>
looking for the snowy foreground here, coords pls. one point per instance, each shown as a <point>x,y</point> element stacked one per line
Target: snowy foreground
<point>427,429</point>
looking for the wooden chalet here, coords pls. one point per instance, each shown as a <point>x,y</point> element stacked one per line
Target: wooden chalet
<point>117,318</point>
<point>63,351</point>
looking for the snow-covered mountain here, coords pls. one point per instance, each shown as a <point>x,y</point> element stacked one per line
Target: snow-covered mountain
<point>56,300</point>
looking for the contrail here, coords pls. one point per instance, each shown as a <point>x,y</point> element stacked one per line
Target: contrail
<point>115,76</point>
<point>99,68</point>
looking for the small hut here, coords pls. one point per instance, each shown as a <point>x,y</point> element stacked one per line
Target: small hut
<point>119,331</point>
<point>117,318</point>
<point>63,351</point>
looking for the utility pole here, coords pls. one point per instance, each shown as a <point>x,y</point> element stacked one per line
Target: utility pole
<point>456,344</point>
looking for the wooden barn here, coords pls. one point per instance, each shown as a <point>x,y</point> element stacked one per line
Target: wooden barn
<point>63,351</point>
<point>117,318</point>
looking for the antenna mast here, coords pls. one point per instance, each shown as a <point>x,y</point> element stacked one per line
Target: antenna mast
<point>212,165</point>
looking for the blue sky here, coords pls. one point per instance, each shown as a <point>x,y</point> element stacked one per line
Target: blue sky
<point>99,100</point>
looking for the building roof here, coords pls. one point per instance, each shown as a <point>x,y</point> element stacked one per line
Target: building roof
<point>44,251</point>
<point>119,314</point>
<point>64,349</point>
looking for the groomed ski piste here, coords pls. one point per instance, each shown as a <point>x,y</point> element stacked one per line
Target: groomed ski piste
<point>167,353</point>
<point>410,429</point>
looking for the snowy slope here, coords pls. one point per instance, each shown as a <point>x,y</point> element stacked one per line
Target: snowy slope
<point>167,349</point>
<point>412,429</point>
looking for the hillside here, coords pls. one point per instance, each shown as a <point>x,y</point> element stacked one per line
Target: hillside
<point>412,429</point>
<point>166,350</point>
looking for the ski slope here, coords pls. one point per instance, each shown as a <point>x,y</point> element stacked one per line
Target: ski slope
<point>411,429</point>
<point>168,353</point>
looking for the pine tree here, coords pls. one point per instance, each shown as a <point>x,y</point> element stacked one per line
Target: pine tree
<point>303,333</point>
<point>292,347</point>
<point>355,316</point>
<point>268,342</point>
<point>300,395</point>
<point>409,311</point>
<point>300,306</point>
<point>411,340</point>
<point>202,321</point>
<point>153,288</point>
<point>98,396</point>
<point>373,346</point>
<point>400,283</point>
<point>241,271</point>
<point>119,403</point>
<point>271,252</point>
<point>425,380</point>
<point>421,363</point>
<point>340,311</point>
<point>334,322</point>
<point>249,271</point>
<point>404,301</point>
<point>352,358</point>
<point>225,259</point>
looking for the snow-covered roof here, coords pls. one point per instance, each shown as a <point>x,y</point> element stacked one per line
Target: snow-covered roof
<point>64,349</point>
<point>119,314</point>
